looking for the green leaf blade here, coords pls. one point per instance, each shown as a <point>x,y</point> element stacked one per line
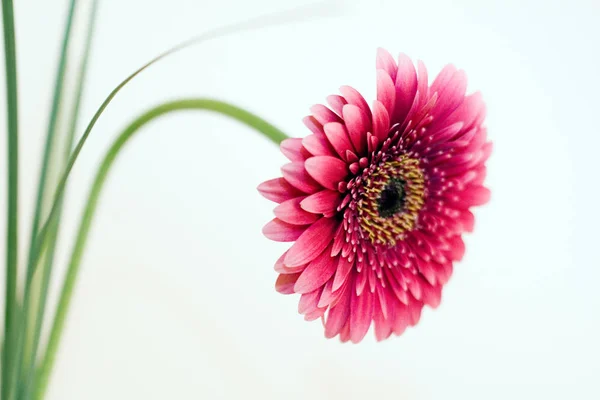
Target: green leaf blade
<point>11,302</point>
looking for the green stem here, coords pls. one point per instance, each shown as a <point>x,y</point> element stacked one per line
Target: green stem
<point>52,123</point>
<point>49,258</point>
<point>11,304</point>
<point>24,348</point>
<point>56,103</point>
<point>234,112</point>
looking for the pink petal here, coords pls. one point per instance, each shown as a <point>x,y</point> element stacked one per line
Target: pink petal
<point>383,328</point>
<point>282,269</point>
<point>338,315</point>
<point>343,271</point>
<point>415,289</point>
<point>317,273</point>
<point>383,325</point>
<point>451,96</point>
<point>285,283</point>
<point>384,301</point>
<point>323,202</point>
<point>347,249</point>
<point>337,103</point>
<point>432,295</point>
<point>442,79</point>
<point>427,270</point>
<point>361,280</point>
<point>326,294</point>
<point>351,156</point>
<point>386,92</point>
<point>338,137</point>
<point>308,301</point>
<point>487,151</point>
<point>318,145</point>
<point>423,81</point>
<point>345,332</point>
<point>323,114</point>
<point>278,190</point>
<point>372,279</point>
<point>381,121</point>
<point>422,95</point>
<point>292,148</point>
<point>422,116</point>
<point>406,88</point>
<point>386,62</point>
<point>460,165</point>
<point>318,313</point>
<point>296,175</point>
<point>448,132</point>
<point>473,196</point>
<point>290,211</point>
<point>397,290</point>
<point>280,231</point>
<point>401,318</point>
<point>358,125</point>
<point>311,123</point>
<point>476,148</point>
<point>352,96</point>
<point>467,220</point>
<point>312,242</point>
<point>414,311</point>
<point>338,240</point>
<point>326,170</point>
<point>465,135</point>
<point>471,110</point>
<point>457,247</point>
<point>372,143</point>
<point>331,298</point>
<point>479,117</point>
<point>361,312</point>
<point>444,273</point>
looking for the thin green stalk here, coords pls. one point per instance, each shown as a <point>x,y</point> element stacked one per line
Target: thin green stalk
<point>81,79</point>
<point>262,126</point>
<point>24,346</point>
<point>50,135</point>
<point>47,268</point>
<point>11,303</point>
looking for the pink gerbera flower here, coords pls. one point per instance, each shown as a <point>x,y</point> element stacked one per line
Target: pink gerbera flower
<point>376,199</point>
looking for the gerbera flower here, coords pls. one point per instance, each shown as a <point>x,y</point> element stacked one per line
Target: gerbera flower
<point>376,199</point>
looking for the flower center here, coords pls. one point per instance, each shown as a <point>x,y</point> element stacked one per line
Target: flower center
<point>390,200</point>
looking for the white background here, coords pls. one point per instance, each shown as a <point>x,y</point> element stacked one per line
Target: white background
<point>175,299</point>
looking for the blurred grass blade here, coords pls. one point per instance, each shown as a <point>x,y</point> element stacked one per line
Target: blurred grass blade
<point>11,304</point>
<point>24,345</point>
<point>50,138</point>
<point>229,110</point>
<point>46,272</point>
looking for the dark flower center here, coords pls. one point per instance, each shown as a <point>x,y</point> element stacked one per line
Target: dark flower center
<point>388,200</point>
<point>392,198</point>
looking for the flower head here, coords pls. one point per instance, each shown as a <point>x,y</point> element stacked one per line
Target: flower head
<point>376,199</point>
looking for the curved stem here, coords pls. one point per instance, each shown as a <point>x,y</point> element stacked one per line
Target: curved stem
<point>11,304</point>
<point>229,110</point>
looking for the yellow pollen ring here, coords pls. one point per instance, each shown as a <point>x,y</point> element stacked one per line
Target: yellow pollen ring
<point>389,230</point>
